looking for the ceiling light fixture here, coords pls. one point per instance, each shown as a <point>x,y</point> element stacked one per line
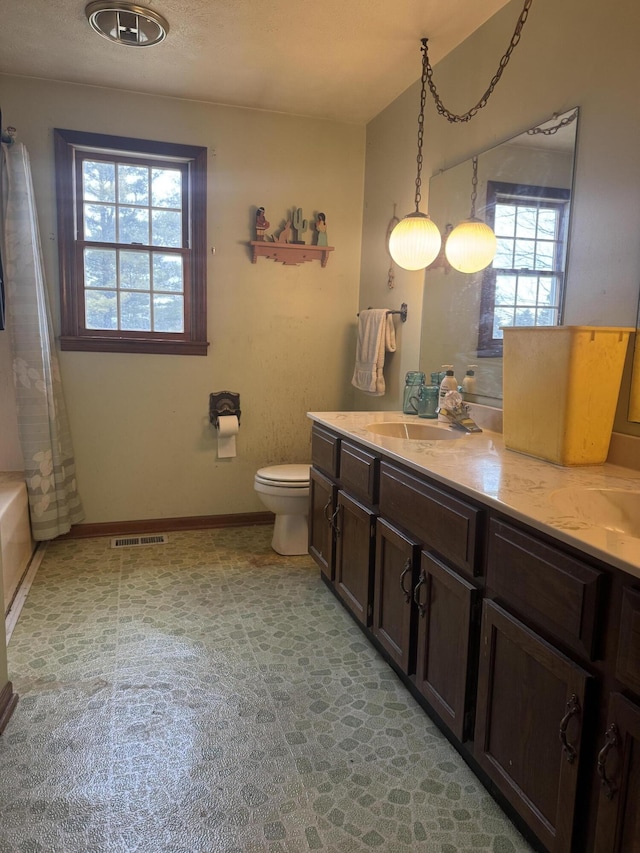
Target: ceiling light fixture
<point>127,24</point>
<point>471,246</point>
<point>415,241</point>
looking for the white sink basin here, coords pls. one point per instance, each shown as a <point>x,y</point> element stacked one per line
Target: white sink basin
<point>613,509</point>
<point>419,432</point>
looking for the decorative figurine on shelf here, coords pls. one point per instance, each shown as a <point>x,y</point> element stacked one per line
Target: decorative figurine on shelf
<point>299,225</point>
<point>285,235</point>
<point>8,135</point>
<point>321,229</point>
<point>261,224</point>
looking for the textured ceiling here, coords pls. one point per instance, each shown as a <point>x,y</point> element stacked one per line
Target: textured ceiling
<point>337,59</point>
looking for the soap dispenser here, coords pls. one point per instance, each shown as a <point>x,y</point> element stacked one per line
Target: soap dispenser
<point>469,381</point>
<point>449,383</point>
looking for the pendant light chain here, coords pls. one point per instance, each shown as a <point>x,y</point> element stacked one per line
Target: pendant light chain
<point>474,187</point>
<point>549,131</point>
<point>423,101</point>
<point>453,117</point>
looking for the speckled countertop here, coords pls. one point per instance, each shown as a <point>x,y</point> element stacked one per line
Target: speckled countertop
<point>555,500</point>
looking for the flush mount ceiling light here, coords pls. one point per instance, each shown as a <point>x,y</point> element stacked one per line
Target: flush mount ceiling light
<point>127,24</point>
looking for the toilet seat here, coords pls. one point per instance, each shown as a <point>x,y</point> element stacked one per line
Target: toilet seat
<point>285,476</point>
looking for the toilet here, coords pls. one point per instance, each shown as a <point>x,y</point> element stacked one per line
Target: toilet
<point>284,489</point>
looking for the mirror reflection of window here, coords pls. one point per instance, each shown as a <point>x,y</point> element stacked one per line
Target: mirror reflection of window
<point>524,284</point>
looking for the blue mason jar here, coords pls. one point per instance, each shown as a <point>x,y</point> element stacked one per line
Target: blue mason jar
<point>428,401</point>
<point>412,383</point>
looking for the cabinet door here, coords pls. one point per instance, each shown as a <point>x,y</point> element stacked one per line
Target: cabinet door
<point>445,603</point>
<point>322,504</point>
<point>355,532</point>
<point>529,724</point>
<point>395,577</point>
<point>618,826</point>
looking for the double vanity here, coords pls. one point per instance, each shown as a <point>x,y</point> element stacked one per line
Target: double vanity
<point>505,592</point>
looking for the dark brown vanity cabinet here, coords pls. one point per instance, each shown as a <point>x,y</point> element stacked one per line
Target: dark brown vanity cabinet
<point>396,574</point>
<point>355,534</point>
<point>342,516</point>
<point>447,604</point>
<point>444,524</point>
<point>322,509</point>
<point>618,766</point>
<point>618,761</point>
<point>539,635</point>
<point>528,653</point>
<point>529,721</point>
<point>445,594</point>
<point>325,458</point>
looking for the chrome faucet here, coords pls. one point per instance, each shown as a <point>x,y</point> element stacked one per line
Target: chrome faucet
<point>456,413</point>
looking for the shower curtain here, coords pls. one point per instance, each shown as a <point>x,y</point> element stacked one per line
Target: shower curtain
<point>43,427</point>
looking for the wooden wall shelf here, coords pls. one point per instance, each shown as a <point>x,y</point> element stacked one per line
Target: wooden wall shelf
<point>289,253</point>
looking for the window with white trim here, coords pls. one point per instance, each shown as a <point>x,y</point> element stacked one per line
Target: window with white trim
<point>524,284</point>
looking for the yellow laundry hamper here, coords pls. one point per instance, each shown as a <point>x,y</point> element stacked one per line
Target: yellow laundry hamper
<point>560,390</point>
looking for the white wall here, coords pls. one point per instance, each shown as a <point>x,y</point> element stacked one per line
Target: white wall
<point>571,54</point>
<point>281,336</point>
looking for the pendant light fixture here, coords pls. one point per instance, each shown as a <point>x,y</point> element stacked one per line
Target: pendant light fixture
<point>415,241</point>
<point>471,246</point>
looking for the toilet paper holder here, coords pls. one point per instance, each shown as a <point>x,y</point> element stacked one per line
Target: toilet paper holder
<point>223,403</point>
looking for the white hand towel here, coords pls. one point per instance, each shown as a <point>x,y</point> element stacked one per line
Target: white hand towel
<point>376,335</point>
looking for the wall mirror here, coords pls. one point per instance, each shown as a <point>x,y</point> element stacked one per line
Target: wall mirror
<point>524,191</point>
<point>634,393</point>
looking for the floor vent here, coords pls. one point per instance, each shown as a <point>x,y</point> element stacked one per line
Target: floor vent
<point>133,541</point>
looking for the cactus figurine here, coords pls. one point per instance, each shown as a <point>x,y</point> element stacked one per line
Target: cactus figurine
<point>299,224</point>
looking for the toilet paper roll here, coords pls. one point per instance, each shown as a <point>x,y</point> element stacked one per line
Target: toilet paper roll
<point>227,431</point>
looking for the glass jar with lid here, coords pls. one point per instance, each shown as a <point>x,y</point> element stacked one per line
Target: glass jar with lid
<point>411,398</point>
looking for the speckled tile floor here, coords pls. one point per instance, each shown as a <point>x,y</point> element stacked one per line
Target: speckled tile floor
<point>210,696</point>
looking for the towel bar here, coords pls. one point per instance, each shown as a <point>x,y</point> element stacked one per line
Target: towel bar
<point>402,312</point>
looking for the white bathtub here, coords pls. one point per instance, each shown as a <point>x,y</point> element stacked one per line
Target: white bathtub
<point>16,545</point>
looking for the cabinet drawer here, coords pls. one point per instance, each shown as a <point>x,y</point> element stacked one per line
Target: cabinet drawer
<point>325,450</point>
<point>359,472</point>
<point>545,586</point>
<point>441,522</point>
<point>628,662</point>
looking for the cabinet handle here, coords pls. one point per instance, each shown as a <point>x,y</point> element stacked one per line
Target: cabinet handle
<point>334,522</point>
<point>416,594</point>
<point>325,511</point>
<point>405,571</point>
<point>573,708</point>
<point>611,739</point>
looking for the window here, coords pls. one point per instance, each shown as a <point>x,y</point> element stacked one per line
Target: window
<point>524,284</point>
<point>132,234</point>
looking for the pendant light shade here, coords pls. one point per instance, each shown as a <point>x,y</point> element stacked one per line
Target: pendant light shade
<point>471,246</point>
<point>415,242</point>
